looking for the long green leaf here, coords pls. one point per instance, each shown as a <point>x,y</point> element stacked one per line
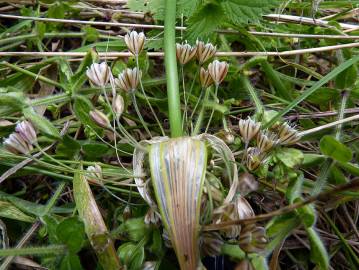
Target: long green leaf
<point>331,75</point>
<point>178,169</point>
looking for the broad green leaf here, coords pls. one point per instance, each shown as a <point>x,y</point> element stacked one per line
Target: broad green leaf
<point>71,232</point>
<point>95,149</point>
<point>204,21</point>
<point>331,147</point>
<point>177,171</point>
<point>82,107</point>
<point>68,147</point>
<point>306,214</point>
<point>41,123</point>
<point>135,228</point>
<point>95,226</point>
<point>71,262</point>
<point>318,253</point>
<point>290,157</point>
<point>294,188</point>
<point>125,252</point>
<point>233,251</point>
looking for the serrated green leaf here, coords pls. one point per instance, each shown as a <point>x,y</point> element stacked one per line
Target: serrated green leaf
<point>331,147</point>
<point>244,11</point>
<point>204,21</point>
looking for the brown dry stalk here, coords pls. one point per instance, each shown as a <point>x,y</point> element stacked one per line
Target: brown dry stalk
<point>161,54</point>
<point>180,28</point>
<point>287,209</point>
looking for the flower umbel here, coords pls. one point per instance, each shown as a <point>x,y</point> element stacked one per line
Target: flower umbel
<point>129,79</point>
<point>248,129</point>
<point>218,71</point>
<point>288,135</point>
<point>185,53</point>
<point>135,42</point>
<point>26,131</point>
<point>99,74</point>
<point>205,78</point>
<point>205,51</point>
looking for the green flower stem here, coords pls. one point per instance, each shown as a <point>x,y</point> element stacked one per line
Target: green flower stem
<point>147,100</point>
<point>174,105</point>
<point>53,249</point>
<point>201,114</point>
<point>133,96</point>
<point>212,112</point>
<point>51,203</point>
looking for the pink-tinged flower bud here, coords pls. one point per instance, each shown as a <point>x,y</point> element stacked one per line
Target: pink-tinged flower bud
<point>135,42</point>
<point>100,118</point>
<point>288,135</point>
<point>129,79</point>
<point>16,144</point>
<point>118,105</point>
<point>184,53</point>
<point>248,129</point>
<point>218,71</point>
<point>205,78</point>
<point>94,174</point>
<point>99,74</point>
<point>205,51</point>
<point>26,131</point>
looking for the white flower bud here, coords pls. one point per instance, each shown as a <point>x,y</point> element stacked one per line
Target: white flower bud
<point>26,131</point>
<point>100,118</point>
<point>118,105</point>
<point>16,144</point>
<point>185,53</point>
<point>99,74</point>
<point>218,71</point>
<point>135,42</point>
<point>204,51</point>
<point>129,79</point>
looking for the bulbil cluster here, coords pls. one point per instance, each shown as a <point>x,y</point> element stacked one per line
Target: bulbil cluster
<point>266,140</point>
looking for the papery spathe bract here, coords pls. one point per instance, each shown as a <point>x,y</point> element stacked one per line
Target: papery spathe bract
<point>99,74</point>
<point>135,42</point>
<point>218,71</point>
<point>185,53</point>
<point>129,79</point>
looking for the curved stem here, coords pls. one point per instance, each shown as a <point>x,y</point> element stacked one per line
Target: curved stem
<point>147,100</point>
<point>174,106</point>
<point>139,113</point>
<point>212,112</point>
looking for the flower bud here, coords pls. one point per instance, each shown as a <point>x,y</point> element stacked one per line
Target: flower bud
<point>129,79</point>
<point>149,265</point>
<point>127,213</point>
<point>254,158</point>
<point>118,105</point>
<point>205,78</point>
<point>211,243</point>
<point>218,71</point>
<point>99,74</point>
<point>248,129</point>
<point>26,131</point>
<point>266,141</point>
<point>253,239</point>
<point>204,51</point>
<point>135,42</point>
<point>152,217</point>
<point>16,144</point>
<point>288,135</point>
<point>184,53</point>
<point>94,174</point>
<point>247,183</point>
<point>100,118</point>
